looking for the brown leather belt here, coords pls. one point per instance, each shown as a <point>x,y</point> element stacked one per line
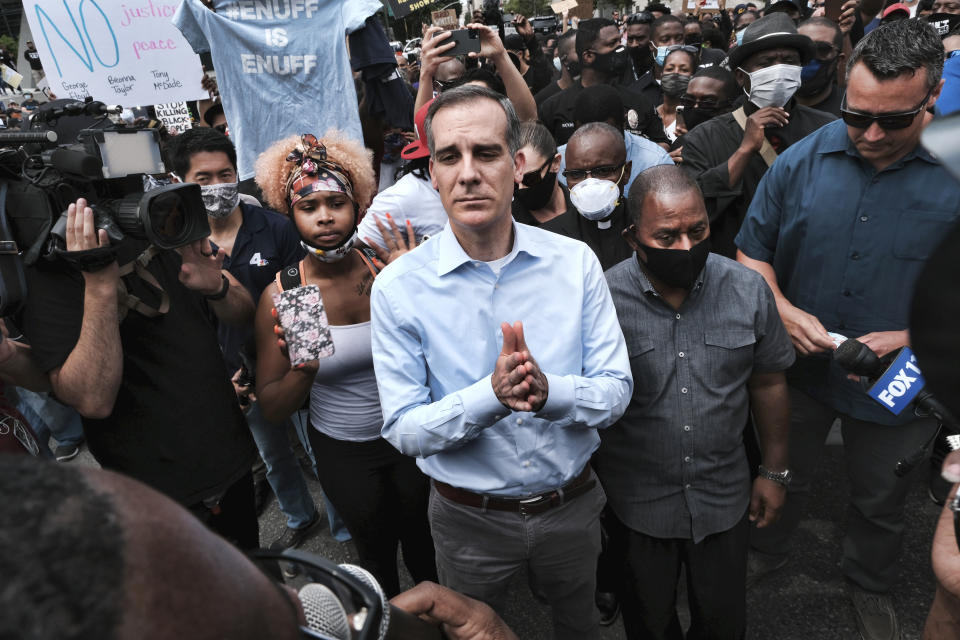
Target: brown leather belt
<point>531,505</point>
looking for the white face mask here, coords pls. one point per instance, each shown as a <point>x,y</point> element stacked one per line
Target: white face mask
<point>220,199</point>
<point>595,199</point>
<point>557,65</point>
<point>773,86</point>
<point>336,254</point>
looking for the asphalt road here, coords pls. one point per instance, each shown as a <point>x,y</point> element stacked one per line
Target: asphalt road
<point>804,601</point>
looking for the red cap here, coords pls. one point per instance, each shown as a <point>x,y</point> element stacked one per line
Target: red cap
<point>419,148</point>
<point>896,7</point>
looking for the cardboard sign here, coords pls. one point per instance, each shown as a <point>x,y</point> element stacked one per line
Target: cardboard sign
<point>10,76</point>
<point>563,6</point>
<point>446,19</point>
<point>175,115</point>
<point>899,384</point>
<point>696,6</point>
<point>116,51</point>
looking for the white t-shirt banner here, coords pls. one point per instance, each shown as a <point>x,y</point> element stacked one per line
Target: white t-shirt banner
<point>175,115</point>
<point>114,50</point>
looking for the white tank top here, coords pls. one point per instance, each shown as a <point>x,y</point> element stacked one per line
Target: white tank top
<point>344,401</point>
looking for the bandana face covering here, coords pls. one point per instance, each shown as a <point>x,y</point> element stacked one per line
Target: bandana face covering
<point>220,199</point>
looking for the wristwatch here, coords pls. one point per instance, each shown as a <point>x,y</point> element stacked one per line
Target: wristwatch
<point>782,478</point>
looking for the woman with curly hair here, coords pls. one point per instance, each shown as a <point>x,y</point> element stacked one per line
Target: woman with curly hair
<point>324,186</point>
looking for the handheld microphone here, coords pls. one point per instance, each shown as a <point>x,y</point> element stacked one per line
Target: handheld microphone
<point>897,383</point>
<point>324,612</point>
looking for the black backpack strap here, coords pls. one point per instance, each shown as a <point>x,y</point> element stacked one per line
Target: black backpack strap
<point>290,277</point>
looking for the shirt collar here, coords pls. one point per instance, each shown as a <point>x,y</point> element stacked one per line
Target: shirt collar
<point>647,287</point>
<point>837,140</point>
<point>451,255</point>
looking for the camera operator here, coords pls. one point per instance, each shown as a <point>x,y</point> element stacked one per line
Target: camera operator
<point>149,383</point>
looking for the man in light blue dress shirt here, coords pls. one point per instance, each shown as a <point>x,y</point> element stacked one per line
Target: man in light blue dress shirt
<point>498,356</point>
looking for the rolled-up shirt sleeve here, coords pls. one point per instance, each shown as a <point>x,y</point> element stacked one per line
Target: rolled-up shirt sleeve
<point>412,422</point>
<point>600,394</point>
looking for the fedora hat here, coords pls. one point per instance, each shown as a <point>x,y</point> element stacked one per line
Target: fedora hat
<point>771,32</point>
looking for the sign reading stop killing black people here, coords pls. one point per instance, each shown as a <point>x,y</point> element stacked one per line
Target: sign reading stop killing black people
<point>118,51</point>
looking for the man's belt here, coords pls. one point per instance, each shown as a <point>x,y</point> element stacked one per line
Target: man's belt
<point>530,505</point>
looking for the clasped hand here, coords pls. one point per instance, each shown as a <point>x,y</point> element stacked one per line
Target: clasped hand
<point>517,380</point>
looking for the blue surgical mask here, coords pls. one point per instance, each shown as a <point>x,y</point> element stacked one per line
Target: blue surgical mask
<point>661,56</point>
<point>740,36</point>
<point>809,70</point>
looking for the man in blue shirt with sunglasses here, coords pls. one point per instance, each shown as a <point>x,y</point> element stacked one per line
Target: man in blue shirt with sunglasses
<point>840,228</point>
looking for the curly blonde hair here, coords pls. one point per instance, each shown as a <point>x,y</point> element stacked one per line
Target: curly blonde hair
<point>273,169</point>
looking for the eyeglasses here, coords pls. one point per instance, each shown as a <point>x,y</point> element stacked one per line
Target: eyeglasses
<point>887,121</point>
<point>222,128</point>
<point>532,178</point>
<point>321,584</point>
<point>442,85</point>
<point>606,172</point>
<point>644,17</point>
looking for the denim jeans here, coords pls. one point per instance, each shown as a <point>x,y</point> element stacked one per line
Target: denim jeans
<point>50,417</point>
<point>283,471</point>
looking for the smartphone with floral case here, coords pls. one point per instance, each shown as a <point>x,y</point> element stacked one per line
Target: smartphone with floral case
<point>304,322</point>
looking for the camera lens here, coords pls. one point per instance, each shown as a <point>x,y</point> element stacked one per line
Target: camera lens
<point>167,218</point>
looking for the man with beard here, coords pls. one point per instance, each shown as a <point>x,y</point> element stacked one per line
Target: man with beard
<point>729,154</point>
<point>603,60</point>
<point>818,80</point>
<point>704,336</point>
<point>639,32</point>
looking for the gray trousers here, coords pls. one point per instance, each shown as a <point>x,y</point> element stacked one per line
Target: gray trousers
<point>478,552</point>
<point>875,522</point>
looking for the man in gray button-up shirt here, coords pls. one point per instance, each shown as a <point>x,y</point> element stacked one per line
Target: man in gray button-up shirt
<point>706,346</point>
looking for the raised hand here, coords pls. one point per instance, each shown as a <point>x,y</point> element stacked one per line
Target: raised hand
<point>396,244</point>
<point>202,266</point>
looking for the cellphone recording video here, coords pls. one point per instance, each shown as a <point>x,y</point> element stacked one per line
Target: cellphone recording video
<point>304,322</point>
<point>467,41</point>
<point>680,122</point>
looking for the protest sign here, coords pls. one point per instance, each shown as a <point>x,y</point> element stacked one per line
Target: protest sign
<point>563,6</point>
<point>114,50</point>
<point>175,115</point>
<point>445,19</point>
<point>10,76</point>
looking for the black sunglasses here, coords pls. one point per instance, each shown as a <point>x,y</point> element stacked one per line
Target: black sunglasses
<point>689,102</point>
<point>888,121</point>
<point>442,85</point>
<point>532,178</point>
<point>644,17</point>
<point>824,51</point>
<point>222,128</point>
<point>607,172</point>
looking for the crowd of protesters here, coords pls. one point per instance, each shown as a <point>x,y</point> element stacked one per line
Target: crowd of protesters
<point>579,291</point>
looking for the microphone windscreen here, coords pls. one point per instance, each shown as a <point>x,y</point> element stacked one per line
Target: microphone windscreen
<point>367,579</point>
<point>858,358</point>
<point>323,611</point>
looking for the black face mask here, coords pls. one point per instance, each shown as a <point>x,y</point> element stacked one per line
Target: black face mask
<point>613,63</point>
<point>693,40</point>
<point>692,116</point>
<point>674,85</point>
<point>676,267</point>
<point>573,68</point>
<point>642,59</point>
<point>537,196</point>
<point>815,77</point>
